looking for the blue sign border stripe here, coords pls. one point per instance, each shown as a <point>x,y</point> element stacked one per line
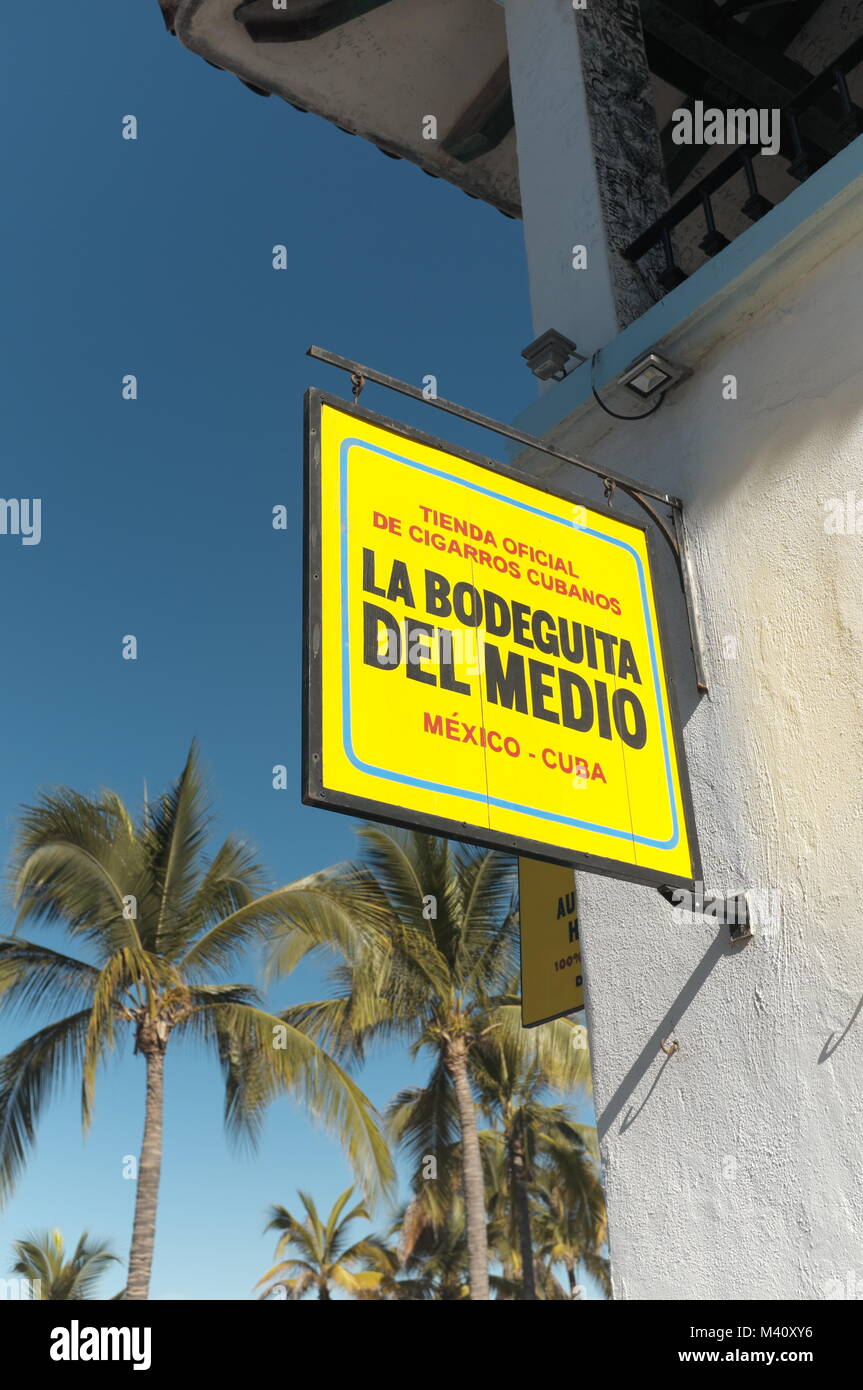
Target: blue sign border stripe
<point>344,459</point>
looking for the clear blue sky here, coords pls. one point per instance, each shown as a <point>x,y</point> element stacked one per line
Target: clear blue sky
<point>154,258</point>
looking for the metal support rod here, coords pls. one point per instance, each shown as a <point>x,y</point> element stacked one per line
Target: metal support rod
<point>844,94</point>
<point>673,533</point>
<point>796,142</point>
<point>692,609</point>
<point>629,485</point>
<point>750,175</point>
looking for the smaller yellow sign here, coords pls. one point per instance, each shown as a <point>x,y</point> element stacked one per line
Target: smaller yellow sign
<point>552,975</point>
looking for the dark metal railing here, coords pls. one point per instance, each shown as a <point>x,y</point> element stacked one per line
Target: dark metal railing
<point>805,159</point>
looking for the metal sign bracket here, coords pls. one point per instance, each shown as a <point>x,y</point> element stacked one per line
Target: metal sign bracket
<point>673,529</point>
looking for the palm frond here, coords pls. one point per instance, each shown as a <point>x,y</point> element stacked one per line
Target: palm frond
<point>223,939</point>
<point>424,1119</point>
<point>64,881</point>
<point>29,1075</point>
<point>175,834</point>
<point>125,972</point>
<point>263,1057</point>
<point>558,1049</point>
<point>388,854</point>
<point>487,884</point>
<point>232,881</point>
<point>318,915</point>
<point>32,976</point>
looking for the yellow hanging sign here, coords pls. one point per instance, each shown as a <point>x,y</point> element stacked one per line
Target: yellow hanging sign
<point>484,657</point>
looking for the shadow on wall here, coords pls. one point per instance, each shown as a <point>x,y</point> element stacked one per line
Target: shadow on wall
<point>667,1026</point>
<point>830,1046</point>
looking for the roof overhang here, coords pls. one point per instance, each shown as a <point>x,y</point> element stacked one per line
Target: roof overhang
<point>379,69</point>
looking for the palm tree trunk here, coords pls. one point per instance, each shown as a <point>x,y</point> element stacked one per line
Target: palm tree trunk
<point>518,1180</point>
<point>474,1195</point>
<point>149,1173</point>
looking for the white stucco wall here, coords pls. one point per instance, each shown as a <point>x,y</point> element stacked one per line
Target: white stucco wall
<point>735,1167</point>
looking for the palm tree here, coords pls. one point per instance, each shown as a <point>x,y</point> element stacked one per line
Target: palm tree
<point>163,924</point>
<point>571,1223</point>
<point>513,1072</point>
<point>43,1260</point>
<point>502,1235</point>
<point>511,1069</point>
<point>424,938</point>
<point>323,1257</point>
<point>381,1260</point>
<point>433,1253</point>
